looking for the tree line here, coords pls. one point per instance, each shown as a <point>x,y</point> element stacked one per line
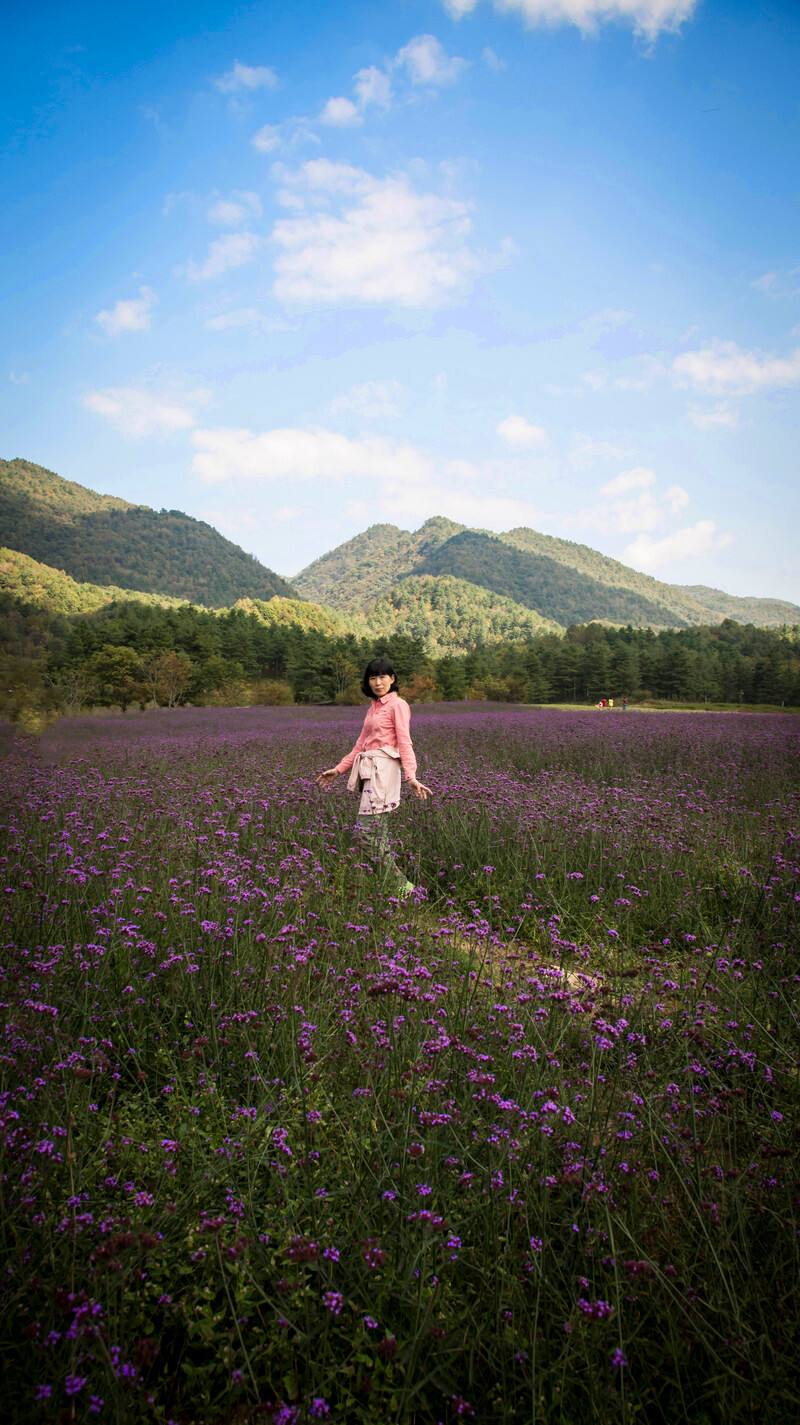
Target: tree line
<point>135,654</point>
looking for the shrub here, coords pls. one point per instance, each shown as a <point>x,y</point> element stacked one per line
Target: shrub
<point>421,688</point>
<point>350,697</point>
<point>272,693</point>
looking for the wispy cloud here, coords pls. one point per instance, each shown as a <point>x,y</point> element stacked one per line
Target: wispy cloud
<point>246,77</point>
<point>267,138</point>
<point>19,378</point>
<point>359,239</point>
<point>370,400</point>
<point>647,18</point>
<point>781,284</point>
<point>719,417</point>
<point>644,373</point>
<point>245,319</point>
<point>131,315</point>
<point>520,434</point>
<point>723,368</point>
<point>231,212</point>
<point>137,412</point>
<point>225,253</point>
<point>492,60</point>
<point>587,451</point>
<point>290,132</point>
<point>422,63</point>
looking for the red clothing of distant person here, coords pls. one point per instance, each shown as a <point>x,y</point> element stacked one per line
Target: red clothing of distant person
<point>385,725</point>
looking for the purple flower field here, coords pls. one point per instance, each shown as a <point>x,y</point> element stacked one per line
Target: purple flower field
<point>524,1148</point>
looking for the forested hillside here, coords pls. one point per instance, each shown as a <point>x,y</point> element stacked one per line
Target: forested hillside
<point>448,615</point>
<point>31,582</point>
<point>102,540</point>
<point>538,582</point>
<point>765,613</point>
<point>676,608</point>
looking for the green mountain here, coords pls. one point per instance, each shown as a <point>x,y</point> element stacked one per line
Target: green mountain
<point>102,540</point>
<point>562,582</point>
<point>352,576</point>
<point>764,613</point>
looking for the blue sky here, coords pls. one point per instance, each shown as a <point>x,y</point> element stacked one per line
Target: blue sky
<point>297,270</point>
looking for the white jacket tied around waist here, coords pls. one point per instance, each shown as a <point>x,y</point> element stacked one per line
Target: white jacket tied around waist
<point>377,776</point>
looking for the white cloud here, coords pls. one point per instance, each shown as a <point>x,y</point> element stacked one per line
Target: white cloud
<point>427,62</point>
<point>133,315</point>
<point>403,482</point>
<point>360,239</point>
<point>373,86</point>
<point>646,17</point>
<point>677,499</point>
<point>622,510</point>
<point>267,138</point>
<point>780,285</point>
<point>518,432</point>
<point>690,543</point>
<point>225,253</point>
<point>423,61</point>
<point>371,400</point>
<point>136,412</point>
<point>723,368</point>
<point>340,113</point>
<point>225,454</point>
<point>239,208</point>
<point>19,378</point>
<point>622,484</point>
<point>714,418</point>
<point>248,77</point>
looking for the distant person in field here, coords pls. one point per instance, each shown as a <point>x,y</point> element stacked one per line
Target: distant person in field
<point>383,746</point>
<point>624,704</point>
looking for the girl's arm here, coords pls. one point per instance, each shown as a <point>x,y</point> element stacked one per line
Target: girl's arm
<point>402,720</point>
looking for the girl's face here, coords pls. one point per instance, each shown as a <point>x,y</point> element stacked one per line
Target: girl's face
<point>380,684</point>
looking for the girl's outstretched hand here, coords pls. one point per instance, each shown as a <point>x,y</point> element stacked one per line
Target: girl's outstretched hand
<point>326,778</point>
<point>420,790</point>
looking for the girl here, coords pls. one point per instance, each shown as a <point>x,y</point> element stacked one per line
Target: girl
<point>374,764</point>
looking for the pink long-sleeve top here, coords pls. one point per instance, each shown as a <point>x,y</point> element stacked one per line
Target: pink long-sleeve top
<point>385,725</point>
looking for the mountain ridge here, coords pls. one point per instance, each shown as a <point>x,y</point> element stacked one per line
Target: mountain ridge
<point>104,540</point>
<point>72,549</point>
<point>563,582</point>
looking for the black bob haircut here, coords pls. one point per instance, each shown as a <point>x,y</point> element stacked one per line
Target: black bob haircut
<point>373,670</point>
